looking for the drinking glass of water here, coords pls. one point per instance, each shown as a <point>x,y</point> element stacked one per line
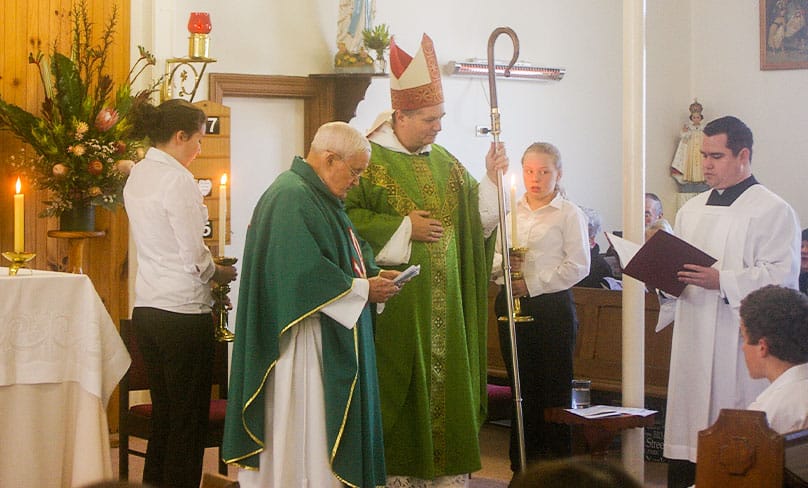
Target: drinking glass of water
<point>580,393</point>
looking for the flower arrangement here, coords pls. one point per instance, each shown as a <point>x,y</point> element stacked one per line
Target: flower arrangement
<point>83,138</point>
<point>377,39</point>
<point>347,59</point>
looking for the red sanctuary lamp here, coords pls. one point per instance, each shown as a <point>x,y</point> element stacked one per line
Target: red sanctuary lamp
<point>199,27</point>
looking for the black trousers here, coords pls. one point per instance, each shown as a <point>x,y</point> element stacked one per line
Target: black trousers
<point>178,353</point>
<point>681,473</point>
<point>545,349</point>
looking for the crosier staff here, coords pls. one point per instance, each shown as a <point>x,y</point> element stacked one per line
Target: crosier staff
<point>506,261</point>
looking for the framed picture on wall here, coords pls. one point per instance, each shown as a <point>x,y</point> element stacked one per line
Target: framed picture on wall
<point>783,34</point>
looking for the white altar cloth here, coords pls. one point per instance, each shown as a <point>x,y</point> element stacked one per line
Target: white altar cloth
<point>60,359</point>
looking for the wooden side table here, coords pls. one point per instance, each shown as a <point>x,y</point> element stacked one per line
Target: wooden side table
<point>76,240</point>
<point>599,432</point>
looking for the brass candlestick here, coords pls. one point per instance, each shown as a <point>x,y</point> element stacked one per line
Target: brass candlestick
<point>222,333</point>
<point>517,255</point>
<point>18,260</point>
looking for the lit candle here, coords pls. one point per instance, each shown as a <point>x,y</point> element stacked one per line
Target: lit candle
<point>513,212</point>
<point>19,219</point>
<point>222,213</point>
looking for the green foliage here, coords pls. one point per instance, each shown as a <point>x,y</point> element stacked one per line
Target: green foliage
<point>82,136</point>
<point>377,39</point>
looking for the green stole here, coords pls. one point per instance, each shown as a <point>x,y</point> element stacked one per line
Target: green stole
<point>431,339</point>
<point>299,257</point>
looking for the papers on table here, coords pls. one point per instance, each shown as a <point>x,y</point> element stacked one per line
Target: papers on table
<point>605,411</point>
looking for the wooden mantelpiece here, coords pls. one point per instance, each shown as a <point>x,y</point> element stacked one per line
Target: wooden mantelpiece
<point>326,97</point>
<point>344,91</point>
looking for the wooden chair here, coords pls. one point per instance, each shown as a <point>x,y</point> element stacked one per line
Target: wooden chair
<point>740,450</point>
<point>135,421</point>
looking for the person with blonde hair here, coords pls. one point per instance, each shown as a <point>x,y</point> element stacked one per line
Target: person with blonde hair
<point>554,231</point>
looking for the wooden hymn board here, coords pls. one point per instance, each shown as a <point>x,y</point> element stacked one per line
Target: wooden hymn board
<point>210,165</point>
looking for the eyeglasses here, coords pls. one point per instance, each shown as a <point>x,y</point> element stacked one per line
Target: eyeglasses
<point>355,174</point>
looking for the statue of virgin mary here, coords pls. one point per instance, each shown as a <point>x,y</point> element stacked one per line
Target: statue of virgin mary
<point>354,17</point>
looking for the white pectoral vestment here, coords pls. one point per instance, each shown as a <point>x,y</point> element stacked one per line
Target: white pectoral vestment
<point>756,242</point>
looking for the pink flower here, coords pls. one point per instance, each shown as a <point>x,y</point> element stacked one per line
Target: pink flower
<point>125,166</point>
<point>105,119</point>
<point>59,170</point>
<point>95,167</point>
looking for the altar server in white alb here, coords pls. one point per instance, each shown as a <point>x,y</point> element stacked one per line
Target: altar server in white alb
<point>755,236</point>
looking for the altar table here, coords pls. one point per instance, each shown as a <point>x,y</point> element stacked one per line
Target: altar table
<point>60,359</point>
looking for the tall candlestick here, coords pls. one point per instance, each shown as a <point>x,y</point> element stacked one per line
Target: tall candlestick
<point>222,213</point>
<point>513,212</point>
<point>19,219</point>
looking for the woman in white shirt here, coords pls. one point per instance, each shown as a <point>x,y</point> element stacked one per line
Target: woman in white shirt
<point>554,232</point>
<point>172,316</point>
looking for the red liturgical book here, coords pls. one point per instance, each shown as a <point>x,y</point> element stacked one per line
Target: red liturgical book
<point>659,259</point>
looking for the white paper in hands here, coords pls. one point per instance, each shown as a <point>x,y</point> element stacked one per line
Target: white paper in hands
<point>407,274</point>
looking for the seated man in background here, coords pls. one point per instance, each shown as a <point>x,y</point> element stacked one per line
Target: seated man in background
<point>660,224</point>
<point>599,269</point>
<point>804,262</point>
<point>774,328</point>
<point>653,211</point>
<point>653,222</point>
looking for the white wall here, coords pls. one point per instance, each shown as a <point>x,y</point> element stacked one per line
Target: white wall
<point>669,93</point>
<point>703,48</point>
<point>580,114</point>
<point>726,68</point>
<point>265,135</point>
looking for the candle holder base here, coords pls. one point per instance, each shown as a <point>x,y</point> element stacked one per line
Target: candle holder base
<point>18,260</point>
<point>222,302</point>
<point>517,252</point>
<point>516,318</point>
<point>517,313</point>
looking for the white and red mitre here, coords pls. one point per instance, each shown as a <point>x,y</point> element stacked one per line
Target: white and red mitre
<point>415,81</point>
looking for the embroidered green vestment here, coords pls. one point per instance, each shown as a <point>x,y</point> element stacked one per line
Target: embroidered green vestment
<point>430,340</point>
<point>298,258</point>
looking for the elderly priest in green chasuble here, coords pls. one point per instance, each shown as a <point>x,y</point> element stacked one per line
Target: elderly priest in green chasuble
<point>418,205</point>
<point>303,406</point>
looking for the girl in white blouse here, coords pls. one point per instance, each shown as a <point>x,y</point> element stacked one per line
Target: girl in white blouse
<point>554,232</point>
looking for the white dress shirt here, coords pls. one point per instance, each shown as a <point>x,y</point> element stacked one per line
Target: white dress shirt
<point>785,401</point>
<point>167,218</point>
<point>557,240</point>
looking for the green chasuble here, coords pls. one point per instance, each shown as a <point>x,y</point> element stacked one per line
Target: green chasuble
<point>300,256</point>
<point>430,340</point>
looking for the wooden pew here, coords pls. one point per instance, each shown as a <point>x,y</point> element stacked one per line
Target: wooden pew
<point>740,450</point>
<point>598,346</point>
